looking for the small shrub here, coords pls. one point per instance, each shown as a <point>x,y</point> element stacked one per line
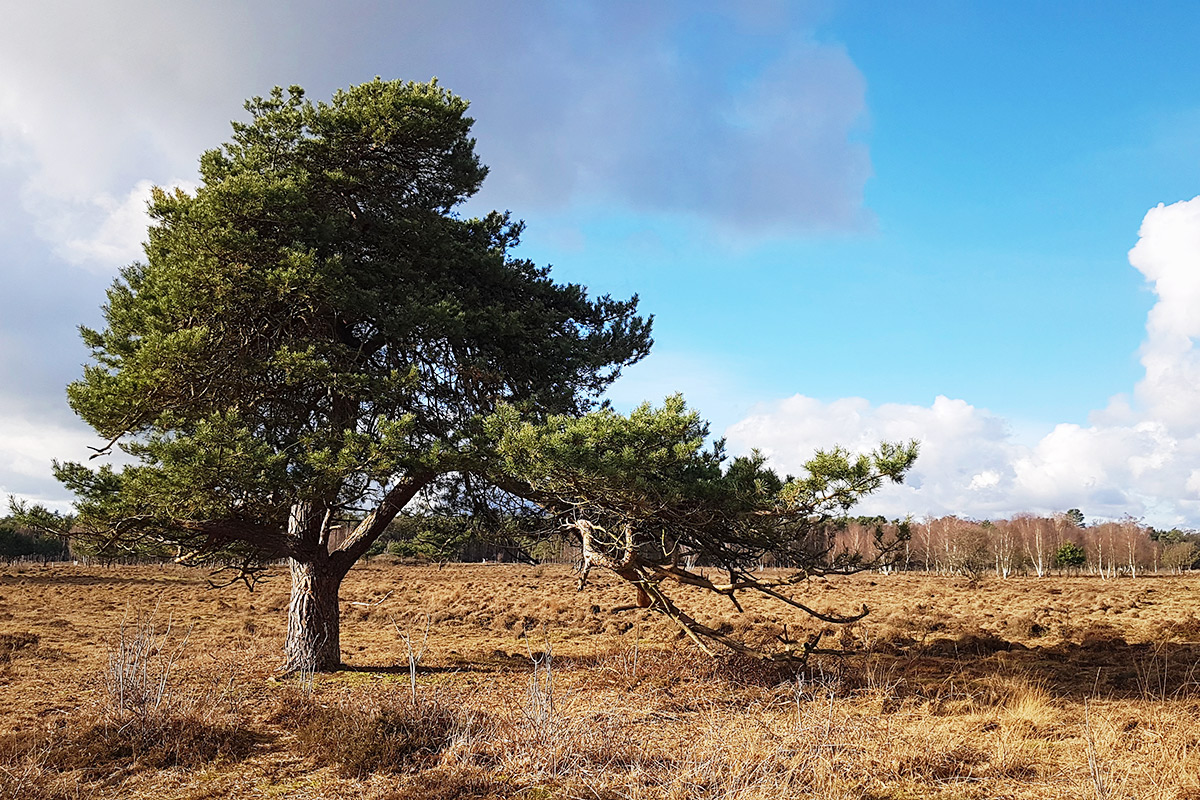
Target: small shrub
<point>138,683</point>
<point>362,734</point>
<point>88,749</point>
<point>971,555</point>
<point>176,740</point>
<point>141,720</point>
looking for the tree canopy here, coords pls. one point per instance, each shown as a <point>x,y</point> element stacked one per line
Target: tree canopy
<point>315,336</point>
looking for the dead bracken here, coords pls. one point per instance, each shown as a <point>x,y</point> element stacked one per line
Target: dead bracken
<point>525,691</point>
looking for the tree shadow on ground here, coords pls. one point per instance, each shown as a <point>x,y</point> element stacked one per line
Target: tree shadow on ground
<point>1106,666</point>
<point>59,579</point>
<point>487,663</point>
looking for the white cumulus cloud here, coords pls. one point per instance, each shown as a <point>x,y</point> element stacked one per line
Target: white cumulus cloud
<point>1168,255</point>
<point>26,450</point>
<point>1134,458</point>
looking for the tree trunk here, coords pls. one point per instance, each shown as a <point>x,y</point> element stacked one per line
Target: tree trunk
<point>314,625</point>
<point>313,637</point>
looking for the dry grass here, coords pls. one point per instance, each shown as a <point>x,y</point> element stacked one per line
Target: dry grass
<point>1053,688</point>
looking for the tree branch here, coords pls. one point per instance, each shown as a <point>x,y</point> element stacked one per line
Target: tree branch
<point>376,522</point>
<point>268,539</point>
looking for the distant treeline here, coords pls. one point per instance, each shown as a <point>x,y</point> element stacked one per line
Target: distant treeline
<point>470,540</point>
<point>17,544</point>
<point>1034,545</point>
<point>1023,545</point>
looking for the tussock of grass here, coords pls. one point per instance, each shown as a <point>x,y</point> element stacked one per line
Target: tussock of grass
<point>182,741</point>
<point>456,783</point>
<point>366,733</point>
<point>57,760</point>
<point>11,643</point>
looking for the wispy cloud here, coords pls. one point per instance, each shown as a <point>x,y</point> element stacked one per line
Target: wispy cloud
<point>114,229</point>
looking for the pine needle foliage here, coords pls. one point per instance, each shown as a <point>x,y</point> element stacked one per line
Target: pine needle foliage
<point>315,334</point>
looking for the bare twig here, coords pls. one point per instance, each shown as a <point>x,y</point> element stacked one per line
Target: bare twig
<point>372,605</point>
<point>415,654</point>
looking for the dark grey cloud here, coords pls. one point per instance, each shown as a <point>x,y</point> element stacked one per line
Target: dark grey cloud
<point>674,111</point>
<point>736,114</point>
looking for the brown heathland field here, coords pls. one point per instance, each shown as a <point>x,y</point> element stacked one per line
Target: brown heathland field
<point>1060,687</point>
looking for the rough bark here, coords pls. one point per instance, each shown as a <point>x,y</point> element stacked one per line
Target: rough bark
<point>313,641</point>
<point>313,636</point>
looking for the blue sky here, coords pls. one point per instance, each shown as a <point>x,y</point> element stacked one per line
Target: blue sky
<point>852,220</point>
<point>1011,167</point>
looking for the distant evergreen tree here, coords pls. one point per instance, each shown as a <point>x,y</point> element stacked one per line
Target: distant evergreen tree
<point>1070,556</point>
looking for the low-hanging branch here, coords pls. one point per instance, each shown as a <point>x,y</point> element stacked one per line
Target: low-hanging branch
<point>643,496</point>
